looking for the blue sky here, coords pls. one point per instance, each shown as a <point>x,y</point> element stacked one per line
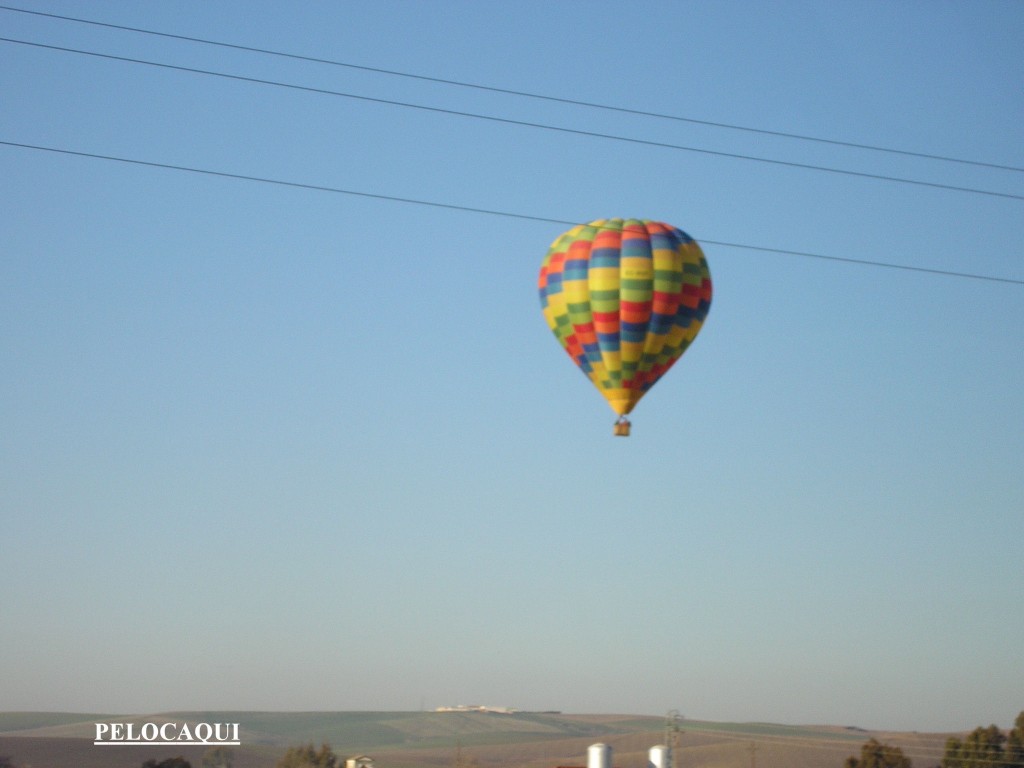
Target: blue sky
<point>272,448</point>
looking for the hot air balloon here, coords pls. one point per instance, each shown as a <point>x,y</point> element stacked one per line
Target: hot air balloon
<point>625,298</point>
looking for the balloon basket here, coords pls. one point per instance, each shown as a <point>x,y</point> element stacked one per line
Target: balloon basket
<point>621,428</point>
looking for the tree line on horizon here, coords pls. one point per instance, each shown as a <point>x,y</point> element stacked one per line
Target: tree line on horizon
<point>217,757</point>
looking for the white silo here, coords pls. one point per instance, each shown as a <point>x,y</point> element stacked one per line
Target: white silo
<point>659,756</point>
<point>599,756</point>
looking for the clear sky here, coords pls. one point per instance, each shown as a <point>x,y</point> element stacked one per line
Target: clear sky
<point>264,447</point>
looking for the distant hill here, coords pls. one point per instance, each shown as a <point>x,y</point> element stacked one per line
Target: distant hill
<point>455,739</point>
<point>360,731</point>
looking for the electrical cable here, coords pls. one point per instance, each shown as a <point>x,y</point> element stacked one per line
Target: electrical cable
<point>916,751</point>
<point>486,211</point>
<point>510,121</point>
<point>915,745</point>
<point>513,92</point>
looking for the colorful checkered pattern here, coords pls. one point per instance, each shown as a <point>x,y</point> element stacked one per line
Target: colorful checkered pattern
<point>625,298</point>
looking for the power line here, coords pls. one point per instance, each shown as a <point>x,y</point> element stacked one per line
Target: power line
<point>913,745</point>
<point>916,745</point>
<point>510,121</point>
<point>916,752</point>
<point>524,94</point>
<point>865,262</point>
<point>486,211</point>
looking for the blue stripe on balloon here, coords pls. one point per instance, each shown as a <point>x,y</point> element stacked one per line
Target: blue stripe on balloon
<point>604,257</point>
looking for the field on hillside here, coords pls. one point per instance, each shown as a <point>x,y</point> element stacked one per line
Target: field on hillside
<point>456,739</point>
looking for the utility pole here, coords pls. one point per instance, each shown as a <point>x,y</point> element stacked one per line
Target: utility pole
<point>673,734</point>
<point>752,749</point>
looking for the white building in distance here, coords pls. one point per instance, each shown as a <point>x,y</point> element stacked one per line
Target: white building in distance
<point>478,708</point>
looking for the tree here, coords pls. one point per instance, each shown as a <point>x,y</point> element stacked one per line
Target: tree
<point>1015,743</point>
<point>876,755</point>
<point>308,757</point>
<point>983,748</point>
<point>218,757</point>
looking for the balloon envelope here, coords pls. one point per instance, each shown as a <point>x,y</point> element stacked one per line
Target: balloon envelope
<point>625,298</point>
